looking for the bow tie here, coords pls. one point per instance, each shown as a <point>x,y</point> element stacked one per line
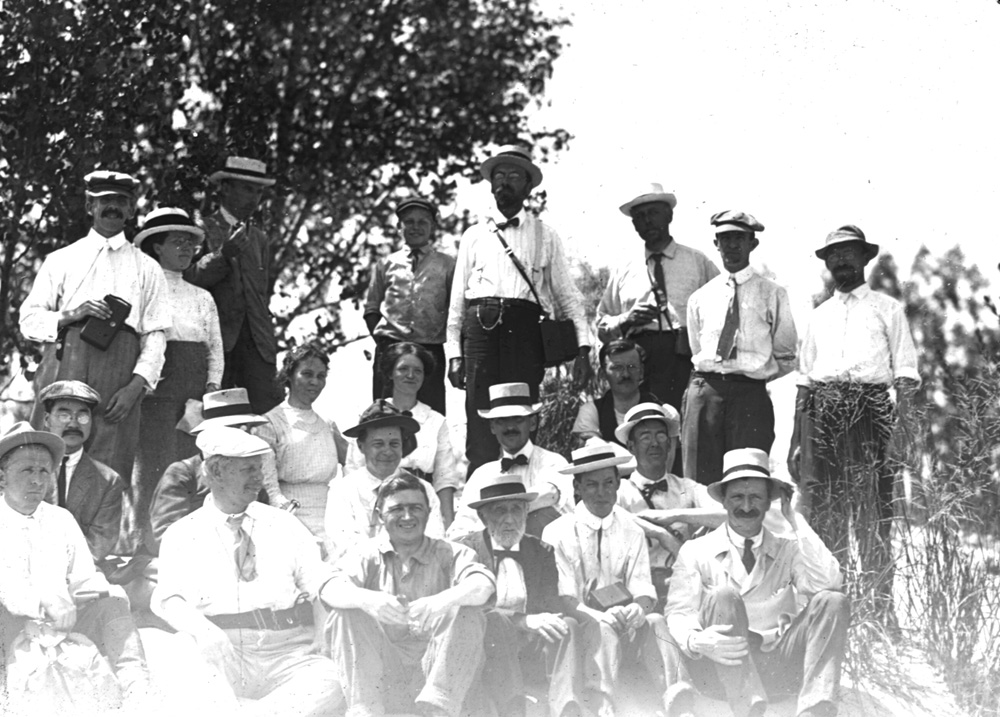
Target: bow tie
<point>507,463</point>
<point>513,223</point>
<point>655,486</point>
<point>499,555</point>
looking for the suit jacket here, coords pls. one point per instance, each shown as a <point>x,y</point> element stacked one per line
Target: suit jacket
<point>181,491</point>
<point>538,560</point>
<point>241,286</point>
<point>95,500</point>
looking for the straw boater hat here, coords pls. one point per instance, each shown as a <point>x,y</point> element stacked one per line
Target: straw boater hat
<point>653,192</point>
<point>649,412</point>
<point>745,463</point>
<point>167,219</point>
<point>516,154</point>
<point>22,434</point>
<point>230,442</point>
<point>75,390</point>
<point>415,201</point>
<point>381,414</point>
<point>844,234</point>
<point>249,170</point>
<point>594,456</point>
<point>502,487</point>
<point>103,183</point>
<point>734,221</point>
<point>228,407</point>
<point>510,399</point>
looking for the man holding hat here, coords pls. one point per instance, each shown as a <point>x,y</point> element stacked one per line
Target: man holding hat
<point>646,301</point>
<point>764,611</point>
<point>512,417</point>
<point>525,625</point>
<point>408,298</point>
<point>235,267</point>
<point>856,347</point>
<point>74,293</point>
<point>87,488</point>
<point>238,577</point>
<point>47,573</point>
<point>742,336</point>
<point>494,334</point>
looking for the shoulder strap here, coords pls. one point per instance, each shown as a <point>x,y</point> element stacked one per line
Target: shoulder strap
<point>520,267</point>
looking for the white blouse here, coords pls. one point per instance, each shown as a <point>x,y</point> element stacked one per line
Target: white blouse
<point>195,318</point>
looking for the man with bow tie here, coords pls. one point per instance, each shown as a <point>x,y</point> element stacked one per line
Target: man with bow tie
<point>237,577</point>
<point>512,417</point>
<point>511,269</point>
<point>742,336</point>
<point>70,293</point>
<point>752,614</point>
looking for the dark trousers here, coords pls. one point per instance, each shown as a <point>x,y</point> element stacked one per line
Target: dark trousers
<point>432,390</point>
<point>805,661</point>
<point>721,415</point>
<point>497,348</point>
<point>666,373</point>
<point>246,368</point>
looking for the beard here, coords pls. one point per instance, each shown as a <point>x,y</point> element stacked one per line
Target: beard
<point>504,537</point>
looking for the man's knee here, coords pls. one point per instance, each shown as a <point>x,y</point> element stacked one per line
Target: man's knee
<point>831,603</point>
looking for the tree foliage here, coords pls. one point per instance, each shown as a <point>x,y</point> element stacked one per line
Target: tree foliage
<point>352,103</point>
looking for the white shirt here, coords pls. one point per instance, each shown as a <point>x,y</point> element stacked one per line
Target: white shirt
<point>195,318</point>
<point>72,461</point>
<point>860,336</point>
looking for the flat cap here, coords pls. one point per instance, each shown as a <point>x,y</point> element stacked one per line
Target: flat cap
<point>415,201</point>
<point>103,182</point>
<point>76,390</point>
<point>230,442</point>
<point>734,221</point>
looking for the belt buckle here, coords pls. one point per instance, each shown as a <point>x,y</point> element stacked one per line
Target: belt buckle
<point>260,619</point>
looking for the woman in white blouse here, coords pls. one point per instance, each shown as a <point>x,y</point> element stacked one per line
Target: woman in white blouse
<point>194,356</point>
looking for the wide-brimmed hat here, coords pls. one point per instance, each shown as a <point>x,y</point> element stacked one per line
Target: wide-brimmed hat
<point>167,219</point>
<point>653,192</point>
<point>502,487</point>
<point>22,434</point>
<point>416,201</point>
<point>745,463</point>
<point>510,399</point>
<point>649,412</point>
<point>594,456</point>
<point>244,168</point>
<point>230,442</point>
<point>104,182</point>
<point>843,235</point>
<point>75,390</point>
<point>228,407</point>
<point>515,154</point>
<point>735,221</point>
<point>382,414</point>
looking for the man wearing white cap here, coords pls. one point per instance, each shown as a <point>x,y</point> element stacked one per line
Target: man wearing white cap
<point>742,336</point>
<point>511,271</point>
<point>100,307</point>
<point>512,417</point>
<point>238,577</point>
<point>764,611</point>
<point>646,300</point>
<point>236,268</point>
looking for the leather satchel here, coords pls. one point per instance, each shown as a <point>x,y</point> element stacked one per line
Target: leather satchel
<point>609,596</point>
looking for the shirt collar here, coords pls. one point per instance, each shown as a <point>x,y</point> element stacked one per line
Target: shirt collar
<point>73,459</point>
<point>858,292</point>
<point>115,242</point>
<point>669,252</point>
<point>521,216</point>
<point>528,449</point>
<point>642,481</point>
<point>230,219</point>
<point>9,515</point>
<point>743,275</point>
<point>738,541</point>
<point>217,515</point>
<point>423,555</point>
<point>584,516</point>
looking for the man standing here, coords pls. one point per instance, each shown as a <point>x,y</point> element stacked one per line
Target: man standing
<point>734,600</point>
<point>88,489</point>
<point>236,269</point>
<point>408,298</point>
<point>742,336</point>
<point>646,301</point>
<point>75,292</point>
<point>856,347</point>
<point>407,624</point>
<point>493,321</point>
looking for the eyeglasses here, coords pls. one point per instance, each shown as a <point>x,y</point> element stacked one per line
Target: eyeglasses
<point>82,417</point>
<point>618,368</point>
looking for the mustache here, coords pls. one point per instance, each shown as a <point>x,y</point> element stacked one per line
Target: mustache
<point>746,513</point>
<point>73,432</point>
<point>112,211</point>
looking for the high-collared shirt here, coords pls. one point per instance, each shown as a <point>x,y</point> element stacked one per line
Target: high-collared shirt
<point>72,461</point>
<point>860,336</point>
<point>195,318</point>
<point>351,516</point>
<point>413,303</point>
<point>623,553</point>
<point>543,467</point>
<point>483,269</point>
<point>197,562</point>
<point>685,270</point>
<point>92,268</point>
<point>766,338</point>
<point>44,555</point>
<point>789,570</point>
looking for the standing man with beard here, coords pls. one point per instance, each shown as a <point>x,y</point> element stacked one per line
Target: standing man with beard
<point>71,292</point>
<point>493,321</point>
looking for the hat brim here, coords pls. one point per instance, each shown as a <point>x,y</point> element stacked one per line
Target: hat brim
<point>239,419</point>
<point>53,443</point>
<point>145,233</point>
<point>486,168</point>
<point>406,423</point>
<point>108,192</point>
<point>511,411</point>
<point>523,497</point>
<point>871,250</point>
<point>664,198</point>
<point>218,176</point>
<point>623,431</point>
<point>715,489</point>
<point>596,465</point>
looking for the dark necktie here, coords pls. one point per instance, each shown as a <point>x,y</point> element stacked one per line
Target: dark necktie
<point>507,463</point>
<point>600,534</point>
<point>660,283</point>
<point>654,487</point>
<point>414,259</point>
<point>512,223</point>
<point>244,552</point>
<point>748,557</point>
<point>499,555</point>
<point>61,483</point>
<point>727,339</point>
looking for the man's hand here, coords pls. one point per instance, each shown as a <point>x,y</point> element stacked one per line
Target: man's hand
<point>427,609</point>
<point>786,507</point>
<point>549,625</point>
<point>627,617</point>
<point>668,542</point>
<point>92,307</point>
<point>642,313</point>
<point>548,495</point>
<point>211,387</point>
<point>795,462</point>
<point>582,370</point>
<point>236,243</point>
<point>713,643</point>
<point>387,609</point>
<point>60,611</point>
<point>123,400</point>
<point>456,373</point>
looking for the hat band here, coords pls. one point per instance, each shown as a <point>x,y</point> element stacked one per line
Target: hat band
<point>501,490</point>
<point>765,473</point>
<point>519,155</point>
<point>510,401</point>
<point>647,413</point>
<point>244,172</point>
<point>222,411</point>
<point>593,459</point>
<point>167,220</point>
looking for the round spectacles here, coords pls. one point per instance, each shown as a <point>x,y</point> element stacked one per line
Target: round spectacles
<point>65,417</point>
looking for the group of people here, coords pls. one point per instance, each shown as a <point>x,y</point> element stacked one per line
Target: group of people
<point>315,571</point>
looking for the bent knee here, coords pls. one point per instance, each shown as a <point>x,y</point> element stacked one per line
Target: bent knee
<point>831,601</point>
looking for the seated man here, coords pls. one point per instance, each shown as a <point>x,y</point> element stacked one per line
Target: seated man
<point>513,418</point>
<point>406,625</point>
<point>525,623</point>
<point>237,577</point>
<point>604,577</point>
<point>735,596</point>
<point>47,572</point>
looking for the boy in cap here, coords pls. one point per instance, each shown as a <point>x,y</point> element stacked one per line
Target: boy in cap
<point>408,298</point>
